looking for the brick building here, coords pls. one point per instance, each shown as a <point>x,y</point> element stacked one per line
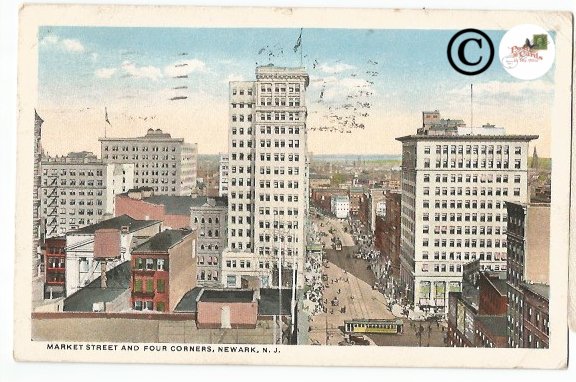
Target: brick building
<point>89,251</point>
<point>163,270</point>
<point>477,315</point>
<point>322,197</point>
<point>528,234</point>
<point>493,294</point>
<point>143,204</point>
<point>55,267</point>
<point>536,320</point>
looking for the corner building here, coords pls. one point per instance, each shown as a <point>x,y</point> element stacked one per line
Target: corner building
<point>268,179</point>
<point>454,189</point>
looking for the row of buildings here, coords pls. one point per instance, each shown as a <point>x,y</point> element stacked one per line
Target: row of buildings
<point>510,308</point>
<point>254,235</point>
<point>79,189</point>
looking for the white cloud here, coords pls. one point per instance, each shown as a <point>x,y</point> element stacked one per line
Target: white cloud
<point>69,45</point>
<point>184,67</point>
<point>502,89</point>
<point>72,45</point>
<point>94,56</point>
<point>150,72</point>
<point>105,72</point>
<point>336,68</point>
<point>50,40</point>
<point>233,77</point>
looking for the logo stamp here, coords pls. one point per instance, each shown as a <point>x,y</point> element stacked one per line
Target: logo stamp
<point>470,52</point>
<point>527,52</point>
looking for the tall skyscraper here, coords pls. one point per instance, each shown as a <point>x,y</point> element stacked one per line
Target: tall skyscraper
<point>166,164</point>
<point>455,182</point>
<point>267,180</point>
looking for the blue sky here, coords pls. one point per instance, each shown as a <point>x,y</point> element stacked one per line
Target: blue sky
<point>132,71</point>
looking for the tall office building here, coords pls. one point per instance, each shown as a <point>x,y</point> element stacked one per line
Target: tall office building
<point>455,182</point>
<point>36,226</point>
<point>79,190</point>
<point>268,176</point>
<point>166,164</point>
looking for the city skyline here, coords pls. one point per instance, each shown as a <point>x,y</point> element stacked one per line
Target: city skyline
<point>143,74</point>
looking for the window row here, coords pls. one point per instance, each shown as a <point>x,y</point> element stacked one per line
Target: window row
<point>241,118</point>
<point>146,285</point>
<point>279,130</point>
<point>472,178</point>
<point>473,149</point>
<point>279,116</point>
<point>280,87</point>
<point>466,230</point>
<point>475,217</point>
<point>461,163</point>
<point>65,172</point>
<point>466,256</point>
<point>148,264</point>
<point>278,198</point>
<point>466,243</point>
<point>140,148</point>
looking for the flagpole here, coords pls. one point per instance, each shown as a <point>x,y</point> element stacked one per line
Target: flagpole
<point>105,120</point>
<point>301,47</point>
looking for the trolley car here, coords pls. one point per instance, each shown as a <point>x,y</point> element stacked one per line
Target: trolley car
<point>394,326</point>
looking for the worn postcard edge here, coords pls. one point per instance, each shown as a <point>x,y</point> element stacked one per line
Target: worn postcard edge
<point>33,16</point>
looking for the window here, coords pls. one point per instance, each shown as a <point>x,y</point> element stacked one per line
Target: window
<point>149,264</point>
<point>160,306</point>
<point>138,286</point>
<point>160,285</point>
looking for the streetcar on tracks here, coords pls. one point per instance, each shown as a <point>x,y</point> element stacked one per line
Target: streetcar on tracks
<point>392,326</point>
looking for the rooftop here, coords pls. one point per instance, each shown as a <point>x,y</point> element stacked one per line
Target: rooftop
<point>227,295</point>
<point>422,137</point>
<point>151,135</point>
<point>118,282</point>
<point>542,290</point>
<point>180,205</point>
<point>495,325</point>
<point>117,223</point>
<point>163,241</point>
<point>268,304</point>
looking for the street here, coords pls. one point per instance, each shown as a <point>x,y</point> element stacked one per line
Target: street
<point>349,294</point>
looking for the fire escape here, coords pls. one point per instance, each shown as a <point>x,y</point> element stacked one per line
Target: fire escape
<point>52,205</point>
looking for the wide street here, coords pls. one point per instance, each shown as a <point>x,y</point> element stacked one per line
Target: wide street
<point>348,282</point>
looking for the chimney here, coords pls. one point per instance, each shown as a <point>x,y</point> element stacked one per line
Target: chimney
<point>103,280</point>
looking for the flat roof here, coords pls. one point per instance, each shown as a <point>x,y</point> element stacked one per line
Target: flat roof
<point>495,325</point>
<point>542,290</point>
<point>117,223</point>
<point>163,241</point>
<point>180,205</point>
<point>188,303</point>
<point>422,137</point>
<point>117,281</point>
<point>268,304</point>
<point>227,295</point>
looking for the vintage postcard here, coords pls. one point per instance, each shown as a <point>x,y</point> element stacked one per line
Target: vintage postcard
<point>289,186</point>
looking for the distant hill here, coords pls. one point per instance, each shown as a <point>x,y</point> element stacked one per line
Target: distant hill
<point>352,158</point>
